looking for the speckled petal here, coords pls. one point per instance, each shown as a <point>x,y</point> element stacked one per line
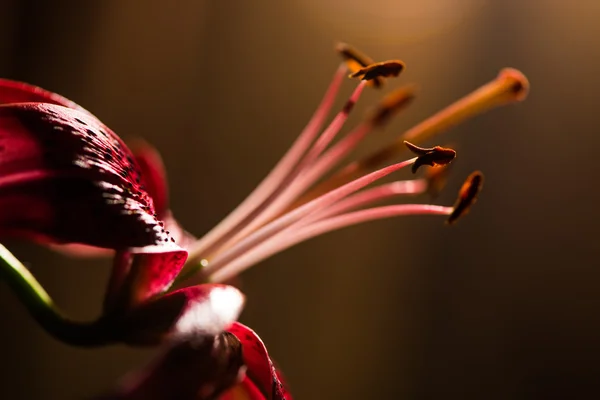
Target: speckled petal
<point>154,176</point>
<point>64,177</point>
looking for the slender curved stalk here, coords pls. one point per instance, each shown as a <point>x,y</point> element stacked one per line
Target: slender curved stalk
<point>41,307</point>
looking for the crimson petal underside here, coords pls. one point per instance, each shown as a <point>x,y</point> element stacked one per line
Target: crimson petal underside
<point>260,367</point>
<point>198,369</point>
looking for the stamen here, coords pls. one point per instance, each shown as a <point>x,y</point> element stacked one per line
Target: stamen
<point>356,60</point>
<point>383,69</point>
<point>277,175</point>
<point>236,224</point>
<point>286,220</point>
<point>289,187</point>
<point>336,125</point>
<point>391,104</point>
<point>467,196</point>
<point>510,86</point>
<point>295,235</point>
<point>370,196</point>
<point>430,156</point>
<point>334,217</point>
<point>436,178</point>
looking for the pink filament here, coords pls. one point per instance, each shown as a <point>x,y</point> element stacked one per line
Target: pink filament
<point>276,176</point>
<point>288,190</point>
<point>286,220</point>
<point>294,235</point>
<point>368,198</point>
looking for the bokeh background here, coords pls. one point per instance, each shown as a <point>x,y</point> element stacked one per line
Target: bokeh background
<point>503,305</point>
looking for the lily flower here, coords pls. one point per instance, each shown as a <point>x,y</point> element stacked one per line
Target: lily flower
<point>71,179</point>
<point>293,203</point>
<point>66,147</point>
<point>53,145</point>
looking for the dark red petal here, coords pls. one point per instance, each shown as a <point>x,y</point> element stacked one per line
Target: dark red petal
<point>260,367</point>
<point>181,237</point>
<point>195,311</point>
<point>19,92</point>
<point>139,274</point>
<point>65,177</point>
<point>198,369</point>
<point>77,250</point>
<point>154,176</point>
<point>280,388</point>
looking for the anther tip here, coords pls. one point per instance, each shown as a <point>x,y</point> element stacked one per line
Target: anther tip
<point>392,103</point>
<point>519,81</point>
<point>436,179</point>
<point>356,60</point>
<point>467,196</point>
<point>384,69</point>
<point>433,156</point>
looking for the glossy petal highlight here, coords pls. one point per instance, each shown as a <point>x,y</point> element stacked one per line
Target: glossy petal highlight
<point>64,177</point>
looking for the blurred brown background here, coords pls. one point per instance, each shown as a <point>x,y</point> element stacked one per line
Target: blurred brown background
<point>504,305</point>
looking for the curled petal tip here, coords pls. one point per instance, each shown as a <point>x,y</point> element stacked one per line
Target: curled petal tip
<point>261,369</point>
<point>467,196</point>
<point>430,156</point>
<point>153,173</point>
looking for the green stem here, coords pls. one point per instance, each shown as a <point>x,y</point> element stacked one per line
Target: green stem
<point>44,311</point>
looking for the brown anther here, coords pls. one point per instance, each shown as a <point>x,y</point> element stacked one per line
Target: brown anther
<point>430,156</point>
<point>352,54</point>
<point>436,180</point>
<point>384,69</point>
<point>355,60</point>
<point>508,87</point>
<point>467,196</point>
<point>391,104</point>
